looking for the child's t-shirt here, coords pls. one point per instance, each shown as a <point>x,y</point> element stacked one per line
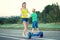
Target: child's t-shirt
<point>34,16</point>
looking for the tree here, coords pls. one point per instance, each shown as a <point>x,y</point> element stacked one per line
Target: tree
<point>51,13</point>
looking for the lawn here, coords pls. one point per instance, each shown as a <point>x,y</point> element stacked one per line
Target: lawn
<point>47,26</point>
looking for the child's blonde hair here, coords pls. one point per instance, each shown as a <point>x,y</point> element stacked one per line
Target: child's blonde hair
<point>33,10</point>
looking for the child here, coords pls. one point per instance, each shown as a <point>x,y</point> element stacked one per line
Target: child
<point>34,21</point>
<point>24,16</point>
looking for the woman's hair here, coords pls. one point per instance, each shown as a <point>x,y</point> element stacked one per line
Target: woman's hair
<point>23,3</point>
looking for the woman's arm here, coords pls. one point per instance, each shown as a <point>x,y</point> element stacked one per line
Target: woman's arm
<point>29,13</point>
<point>20,12</point>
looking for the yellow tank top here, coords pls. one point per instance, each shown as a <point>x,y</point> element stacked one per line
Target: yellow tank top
<point>24,13</point>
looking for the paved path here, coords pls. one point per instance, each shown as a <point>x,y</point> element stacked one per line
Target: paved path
<point>13,34</point>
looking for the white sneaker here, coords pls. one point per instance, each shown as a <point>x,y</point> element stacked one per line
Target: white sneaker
<point>24,35</point>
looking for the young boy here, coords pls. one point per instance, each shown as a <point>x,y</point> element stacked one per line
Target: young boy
<point>34,21</point>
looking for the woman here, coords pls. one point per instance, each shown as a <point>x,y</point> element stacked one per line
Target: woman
<point>24,16</point>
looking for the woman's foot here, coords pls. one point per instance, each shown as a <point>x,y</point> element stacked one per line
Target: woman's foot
<point>24,35</point>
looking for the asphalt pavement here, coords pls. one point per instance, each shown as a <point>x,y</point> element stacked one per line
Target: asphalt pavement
<point>16,34</point>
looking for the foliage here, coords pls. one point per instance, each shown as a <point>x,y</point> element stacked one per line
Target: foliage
<point>50,14</point>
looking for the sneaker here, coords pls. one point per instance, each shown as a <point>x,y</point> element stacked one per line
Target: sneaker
<point>24,35</point>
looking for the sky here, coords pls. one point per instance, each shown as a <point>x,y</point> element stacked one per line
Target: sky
<point>12,7</point>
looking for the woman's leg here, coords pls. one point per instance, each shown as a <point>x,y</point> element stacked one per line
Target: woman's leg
<point>25,27</point>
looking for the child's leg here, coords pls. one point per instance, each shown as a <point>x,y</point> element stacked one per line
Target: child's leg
<point>32,30</point>
<point>37,29</point>
<point>33,26</point>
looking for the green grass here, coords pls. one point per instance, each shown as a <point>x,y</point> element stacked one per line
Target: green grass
<point>48,26</point>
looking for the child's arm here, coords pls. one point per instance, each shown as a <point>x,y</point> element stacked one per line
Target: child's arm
<point>30,15</point>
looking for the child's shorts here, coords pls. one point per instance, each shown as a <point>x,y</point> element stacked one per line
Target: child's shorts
<point>35,24</point>
<point>25,19</point>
